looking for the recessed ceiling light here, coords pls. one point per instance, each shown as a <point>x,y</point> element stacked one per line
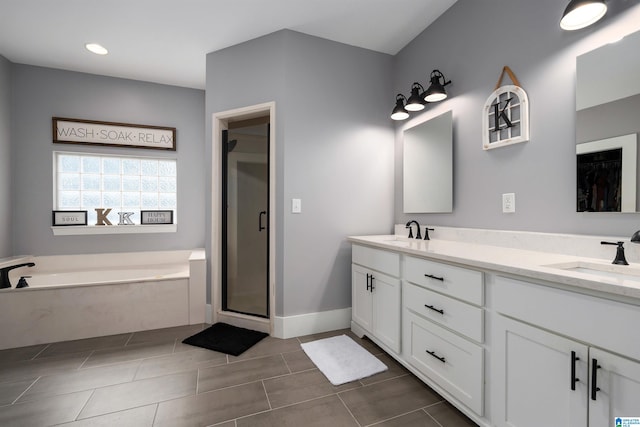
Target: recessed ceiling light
<point>96,48</point>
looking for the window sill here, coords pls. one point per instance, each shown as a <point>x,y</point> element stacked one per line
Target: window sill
<point>81,230</point>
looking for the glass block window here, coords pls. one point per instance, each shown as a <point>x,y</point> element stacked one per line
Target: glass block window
<point>122,184</point>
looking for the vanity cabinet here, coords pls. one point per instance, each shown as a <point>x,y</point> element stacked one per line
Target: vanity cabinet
<point>443,327</point>
<point>375,296</point>
<point>563,358</point>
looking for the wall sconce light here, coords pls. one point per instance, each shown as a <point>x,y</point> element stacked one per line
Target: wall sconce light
<point>419,97</point>
<point>582,13</point>
<point>399,112</point>
<point>436,91</point>
<point>416,99</point>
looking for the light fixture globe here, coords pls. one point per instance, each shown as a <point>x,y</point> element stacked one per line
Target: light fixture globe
<point>436,91</point>
<point>96,48</point>
<point>415,101</point>
<point>582,13</point>
<point>399,112</point>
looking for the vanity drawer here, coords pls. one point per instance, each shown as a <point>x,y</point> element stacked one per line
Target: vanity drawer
<point>457,282</point>
<point>451,361</point>
<point>456,315</point>
<point>376,259</point>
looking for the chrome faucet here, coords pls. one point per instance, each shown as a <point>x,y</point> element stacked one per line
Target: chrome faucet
<point>620,259</point>
<point>409,224</point>
<point>4,273</point>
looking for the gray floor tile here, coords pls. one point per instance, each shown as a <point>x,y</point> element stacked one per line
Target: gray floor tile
<point>322,335</point>
<point>137,417</point>
<point>307,385</point>
<point>213,407</point>
<point>323,412</point>
<point>267,347</point>
<point>241,372</point>
<point>395,370</point>
<point>140,393</point>
<point>127,354</point>
<point>46,412</point>
<point>447,415</point>
<point>177,333</point>
<point>9,392</point>
<point>298,361</point>
<point>417,418</point>
<point>84,379</point>
<point>77,346</point>
<point>179,362</point>
<point>21,353</point>
<point>32,369</point>
<point>387,399</point>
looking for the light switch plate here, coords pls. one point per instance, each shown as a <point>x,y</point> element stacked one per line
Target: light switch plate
<point>508,203</point>
<point>296,205</point>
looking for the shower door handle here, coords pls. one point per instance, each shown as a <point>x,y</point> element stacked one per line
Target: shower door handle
<point>260,226</point>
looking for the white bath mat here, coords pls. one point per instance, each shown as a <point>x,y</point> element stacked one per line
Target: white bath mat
<point>342,360</point>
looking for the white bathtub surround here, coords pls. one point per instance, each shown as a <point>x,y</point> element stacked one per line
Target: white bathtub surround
<point>566,244</point>
<point>81,296</point>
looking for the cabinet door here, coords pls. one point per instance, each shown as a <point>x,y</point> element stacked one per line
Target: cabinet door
<point>361,297</point>
<point>618,381</point>
<point>533,373</point>
<point>386,310</point>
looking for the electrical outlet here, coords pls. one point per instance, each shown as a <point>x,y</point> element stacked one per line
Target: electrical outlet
<point>508,203</point>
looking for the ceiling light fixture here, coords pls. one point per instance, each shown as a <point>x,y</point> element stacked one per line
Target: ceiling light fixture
<point>96,48</point>
<point>416,99</point>
<point>582,13</point>
<point>399,112</point>
<point>436,91</point>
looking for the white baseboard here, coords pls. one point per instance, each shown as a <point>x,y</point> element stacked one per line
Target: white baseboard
<point>311,323</point>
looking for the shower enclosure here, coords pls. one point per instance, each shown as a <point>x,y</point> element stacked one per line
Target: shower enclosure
<point>245,233</point>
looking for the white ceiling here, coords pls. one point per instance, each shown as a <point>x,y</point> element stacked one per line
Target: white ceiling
<point>166,41</point>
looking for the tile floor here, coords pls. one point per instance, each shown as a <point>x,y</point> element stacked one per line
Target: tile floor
<point>151,379</point>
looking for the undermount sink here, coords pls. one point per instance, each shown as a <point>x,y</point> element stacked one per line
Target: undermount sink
<point>614,271</point>
<point>397,241</point>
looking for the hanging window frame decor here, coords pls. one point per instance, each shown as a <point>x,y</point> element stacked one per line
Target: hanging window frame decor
<point>505,118</point>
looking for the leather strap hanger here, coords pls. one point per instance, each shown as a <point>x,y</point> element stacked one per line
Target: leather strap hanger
<point>512,76</point>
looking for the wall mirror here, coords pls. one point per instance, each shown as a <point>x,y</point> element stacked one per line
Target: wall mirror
<point>607,127</point>
<point>428,166</point>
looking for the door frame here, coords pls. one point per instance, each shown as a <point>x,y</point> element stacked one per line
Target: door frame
<point>220,121</point>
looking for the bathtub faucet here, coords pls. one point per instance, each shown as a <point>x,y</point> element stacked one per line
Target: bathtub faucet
<point>4,273</point>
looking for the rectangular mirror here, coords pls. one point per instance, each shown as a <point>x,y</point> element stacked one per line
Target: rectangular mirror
<point>607,127</point>
<point>428,166</point>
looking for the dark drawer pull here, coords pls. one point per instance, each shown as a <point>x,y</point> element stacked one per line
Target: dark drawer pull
<point>433,353</point>
<point>594,378</point>
<point>441,311</point>
<point>574,380</point>
<point>431,276</point>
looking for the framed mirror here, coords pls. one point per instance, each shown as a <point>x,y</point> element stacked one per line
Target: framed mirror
<point>428,166</point>
<point>607,127</point>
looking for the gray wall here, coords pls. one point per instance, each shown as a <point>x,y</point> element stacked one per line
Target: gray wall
<point>470,43</point>
<point>5,158</point>
<point>41,93</point>
<point>334,148</point>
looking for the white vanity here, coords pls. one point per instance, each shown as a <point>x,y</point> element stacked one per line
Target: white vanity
<point>511,337</point>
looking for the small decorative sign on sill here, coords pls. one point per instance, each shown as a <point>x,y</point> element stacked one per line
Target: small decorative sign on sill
<point>66,218</point>
<point>76,131</point>
<point>505,118</point>
<point>156,217</point>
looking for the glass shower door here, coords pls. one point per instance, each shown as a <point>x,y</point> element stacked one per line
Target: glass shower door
<point>245,220</point>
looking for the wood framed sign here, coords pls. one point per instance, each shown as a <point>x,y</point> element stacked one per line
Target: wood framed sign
<point>156,217</point>
<point>77,131</point>
<point>66,218</point>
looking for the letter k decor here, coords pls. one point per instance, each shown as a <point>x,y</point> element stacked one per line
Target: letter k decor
<point>505,118</point>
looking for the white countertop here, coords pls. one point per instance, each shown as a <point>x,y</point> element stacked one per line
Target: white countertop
<point>525,263</point>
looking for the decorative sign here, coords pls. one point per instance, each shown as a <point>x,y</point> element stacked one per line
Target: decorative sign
<point>76,131</point>
<point>156,217</point>
<point>505,118</point>
<point>64,218</point>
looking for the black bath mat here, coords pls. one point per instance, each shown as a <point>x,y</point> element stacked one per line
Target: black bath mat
<point>226,339</point>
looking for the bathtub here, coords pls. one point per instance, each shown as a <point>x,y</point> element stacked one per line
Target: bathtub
<point>83,296</point>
